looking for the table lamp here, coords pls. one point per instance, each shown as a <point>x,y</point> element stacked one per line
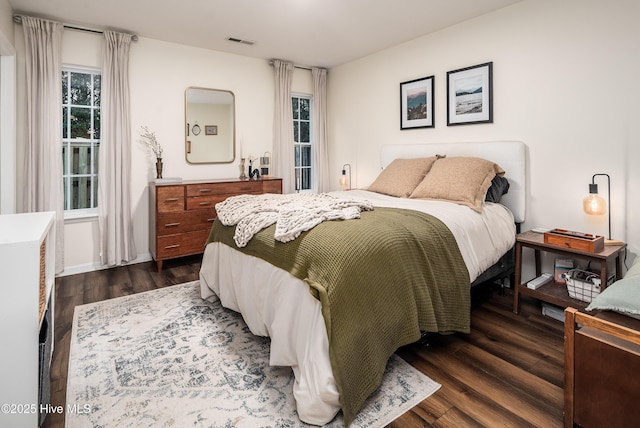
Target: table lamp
<point>596,205</point>
<point>343,178</point>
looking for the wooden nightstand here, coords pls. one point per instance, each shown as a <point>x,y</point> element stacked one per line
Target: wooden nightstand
<point>553,293</point>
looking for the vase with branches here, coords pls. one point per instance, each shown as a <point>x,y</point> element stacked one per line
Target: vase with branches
<point>149,139</point>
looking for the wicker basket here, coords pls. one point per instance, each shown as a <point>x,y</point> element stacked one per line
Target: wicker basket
<point>582,285</point>
<point>43,284</point>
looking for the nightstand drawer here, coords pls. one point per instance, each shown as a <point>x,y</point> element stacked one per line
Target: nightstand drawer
<point>170,199</point>
<point>172,223</point>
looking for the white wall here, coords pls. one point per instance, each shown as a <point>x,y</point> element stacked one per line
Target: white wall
<point>6,26</point>
<point>564,83</point>
<point>160,72</point>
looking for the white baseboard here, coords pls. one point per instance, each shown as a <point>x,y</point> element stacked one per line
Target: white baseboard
<point>90,267</point>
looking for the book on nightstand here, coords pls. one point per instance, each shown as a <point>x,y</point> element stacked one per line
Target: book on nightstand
<point>553,311</point>
<point>561,266</point>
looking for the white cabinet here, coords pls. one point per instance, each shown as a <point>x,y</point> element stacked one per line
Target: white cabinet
<point>27,275</point>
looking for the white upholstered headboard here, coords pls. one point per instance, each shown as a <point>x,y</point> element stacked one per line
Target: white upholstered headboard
<point>510,155</point>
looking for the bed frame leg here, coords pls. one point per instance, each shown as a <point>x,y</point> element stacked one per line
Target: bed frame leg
<point>426,338</point>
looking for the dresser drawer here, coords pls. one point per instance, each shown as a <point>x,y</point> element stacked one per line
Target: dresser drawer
<point>182,244</point>
<point>188,221</point>
<point>233,188</point>
<point>204,202</point>
<point>272,186</point>
<point>170,199</point>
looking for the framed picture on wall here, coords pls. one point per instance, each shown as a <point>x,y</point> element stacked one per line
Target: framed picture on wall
<point>211,130</point>
<point>416,103</point>
<point>470,95</point>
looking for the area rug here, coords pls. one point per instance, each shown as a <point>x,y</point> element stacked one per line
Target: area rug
<point>167,358</point>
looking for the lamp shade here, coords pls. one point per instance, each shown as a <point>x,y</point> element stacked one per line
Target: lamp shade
<point>594,205</point>
<point>265,159</point>
<point>344,180</point>
<point>265,162</point>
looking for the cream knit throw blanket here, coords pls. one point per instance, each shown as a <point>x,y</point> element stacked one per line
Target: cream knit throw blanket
<point>292,213</point>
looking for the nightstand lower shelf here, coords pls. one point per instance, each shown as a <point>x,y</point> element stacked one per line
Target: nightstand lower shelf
<point>555,294</point>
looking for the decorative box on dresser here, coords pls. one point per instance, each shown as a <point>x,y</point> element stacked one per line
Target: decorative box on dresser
<point>181,214</point>
<point>27,266</point>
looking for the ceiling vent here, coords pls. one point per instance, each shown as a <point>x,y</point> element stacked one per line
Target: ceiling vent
<point>244,42</point>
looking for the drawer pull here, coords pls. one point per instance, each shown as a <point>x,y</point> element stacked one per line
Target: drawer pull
<point>205,190</point>
<point>172,199</point>
<point>168,247</point>
<point>206,203</point>
<point>246,188</point>
<point>211,219</point>
<point>172,224</point>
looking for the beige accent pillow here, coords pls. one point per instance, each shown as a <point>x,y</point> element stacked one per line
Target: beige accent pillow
<point>463,180</point>
<point>402,176</point>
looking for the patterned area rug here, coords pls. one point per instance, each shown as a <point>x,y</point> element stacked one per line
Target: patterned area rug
<point>168,358</point>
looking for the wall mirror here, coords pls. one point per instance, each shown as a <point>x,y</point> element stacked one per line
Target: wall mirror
<point>210,126</point>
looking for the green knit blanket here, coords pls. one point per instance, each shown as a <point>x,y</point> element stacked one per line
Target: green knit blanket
<point>381,280</point>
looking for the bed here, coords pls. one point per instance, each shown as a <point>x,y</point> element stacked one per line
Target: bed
<point>277,301</point>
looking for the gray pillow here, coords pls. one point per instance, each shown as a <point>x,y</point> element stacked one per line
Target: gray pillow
<point>623,296</point>
<point>499,187</point>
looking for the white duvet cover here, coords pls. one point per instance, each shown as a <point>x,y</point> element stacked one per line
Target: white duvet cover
<point>276,304</point>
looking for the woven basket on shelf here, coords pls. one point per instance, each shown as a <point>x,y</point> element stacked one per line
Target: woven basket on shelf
<point>43,285</point>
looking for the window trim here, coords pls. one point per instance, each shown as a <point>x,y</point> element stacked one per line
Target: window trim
<point>72,216</point>
<point>81,213</point>
<point>312,167</point>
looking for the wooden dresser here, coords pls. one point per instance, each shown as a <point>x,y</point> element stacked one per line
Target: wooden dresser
<point>181,214</point>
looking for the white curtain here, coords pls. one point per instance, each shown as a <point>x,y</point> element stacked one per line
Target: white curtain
<point>283,161</point>
<point>114,199</point>
<point>43,189</point>
<point>320,144</point>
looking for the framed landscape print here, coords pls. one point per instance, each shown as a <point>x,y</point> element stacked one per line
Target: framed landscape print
<point>416,103</point>
<point>470,95</point>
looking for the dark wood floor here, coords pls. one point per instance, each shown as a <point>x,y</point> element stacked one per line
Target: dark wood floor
<point>508,372</point>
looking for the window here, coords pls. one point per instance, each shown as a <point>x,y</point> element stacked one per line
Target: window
<point>302,142</point>
<point>80,138</point>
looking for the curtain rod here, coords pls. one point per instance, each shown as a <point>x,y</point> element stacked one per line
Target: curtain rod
<point>302,67</point>
<point>18,20</point>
